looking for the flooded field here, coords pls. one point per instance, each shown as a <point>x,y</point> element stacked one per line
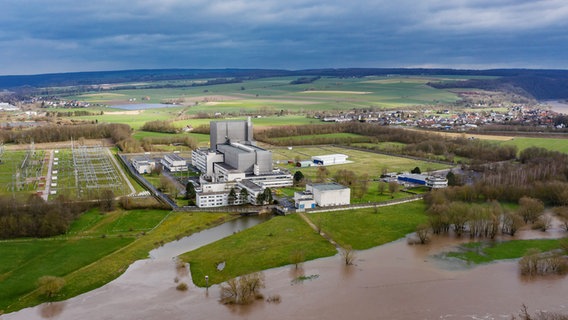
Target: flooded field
<point>394,281</point>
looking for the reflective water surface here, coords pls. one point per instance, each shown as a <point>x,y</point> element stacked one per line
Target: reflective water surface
<point>394,281</point>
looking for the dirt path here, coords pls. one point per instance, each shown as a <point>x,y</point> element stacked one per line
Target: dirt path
<point>119,168</point>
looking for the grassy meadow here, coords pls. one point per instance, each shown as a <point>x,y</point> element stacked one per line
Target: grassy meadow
<point>273,243</point>
<point>361,162</point>
<point>97,249</point>
<point>484,252</point>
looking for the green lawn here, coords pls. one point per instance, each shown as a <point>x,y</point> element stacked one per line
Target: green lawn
<point>560,145</point>
<point>488,251</point>
<point>364,229</point>
<point>22,262</point>
<point>362,162</point>
<point>264,246</point>
<point>86,258</point>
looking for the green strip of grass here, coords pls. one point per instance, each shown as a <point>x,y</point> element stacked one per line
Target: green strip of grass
<point>23,262</point>
<point>484,252</point>
<point>99,266</point>
<point>363,229</point>
<point>265,246</point>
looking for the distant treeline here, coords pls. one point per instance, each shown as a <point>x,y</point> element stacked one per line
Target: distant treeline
<point>54,133</point>
<point>37,218</point>
<point>76,113</point>
<point>418,143</point>
<point>540,84</point>
<point>304,80</point>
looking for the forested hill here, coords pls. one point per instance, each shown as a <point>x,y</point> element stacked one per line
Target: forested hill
<point>538,83</point>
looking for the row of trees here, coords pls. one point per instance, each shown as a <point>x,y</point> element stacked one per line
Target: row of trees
<point>37,218</point>
<point>54,133</point>
<point>417,143</point>
<point>162,126</point>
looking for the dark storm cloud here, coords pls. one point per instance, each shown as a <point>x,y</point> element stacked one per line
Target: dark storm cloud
<point>63,35</point>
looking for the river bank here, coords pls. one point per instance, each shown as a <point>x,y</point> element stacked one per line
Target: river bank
<point>393,281</point>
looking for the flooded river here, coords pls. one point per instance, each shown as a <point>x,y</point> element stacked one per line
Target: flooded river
<point>394,281</point>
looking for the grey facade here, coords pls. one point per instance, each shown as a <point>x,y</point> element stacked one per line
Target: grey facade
<point>222,132</point>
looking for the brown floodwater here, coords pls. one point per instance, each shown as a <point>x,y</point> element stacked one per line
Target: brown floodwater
<point>393,281</point>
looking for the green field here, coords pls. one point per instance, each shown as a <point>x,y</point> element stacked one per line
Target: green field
<point>272,243</point>
<point>264,246</point>
<point>275,94</point>
<point>364,229</point>
<point>97,249</point>
<point>361,161</point>
<point>560,145</point>
<point>484,252</point>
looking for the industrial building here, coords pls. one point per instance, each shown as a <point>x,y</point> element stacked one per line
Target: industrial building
<point>233,161</point>
<point>143,164</point>
<point>323,195</point>
<point>434,182</point>
<point>174,163</point>
<point>330,159</point>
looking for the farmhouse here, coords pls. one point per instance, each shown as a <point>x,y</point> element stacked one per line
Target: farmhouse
<point>143,164</point>
<point>330,159</point>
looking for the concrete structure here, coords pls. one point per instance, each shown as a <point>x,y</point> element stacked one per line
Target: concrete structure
<point>174,163</point>
<point>234,161</point>
<point>143,164</point>
<point>203,159</point>
<point>304,200</point>
<point>330,159</point>
<point>434,182</point>
<point>329,194</point>
<point>225,132</point>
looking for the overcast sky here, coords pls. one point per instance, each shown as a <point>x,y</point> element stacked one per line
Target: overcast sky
<point>38,36</point>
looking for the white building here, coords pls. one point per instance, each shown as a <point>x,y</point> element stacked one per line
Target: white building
<point>204,158</point>
<point>143,164</point>
<point>329,194</point>
<point>174,163</point>
<point>330,159</point>
<point>304,200</point>
<point>436,182</point>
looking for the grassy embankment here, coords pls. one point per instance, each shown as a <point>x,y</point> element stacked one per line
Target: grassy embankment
<point>484,252</point>
<point>273,243</point>
<point>96,250</point>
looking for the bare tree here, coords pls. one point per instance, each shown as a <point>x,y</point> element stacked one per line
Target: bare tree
<point>297,257</point>
<point>393,188</point>
<point>50,286</point>
<point>242,290</point>
<point>348,255</point>
<point>423,232</point>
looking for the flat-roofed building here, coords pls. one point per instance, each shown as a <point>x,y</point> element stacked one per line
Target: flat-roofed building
<point>143,164</point>
<point>329,194</point>
<point>330,159</point>
<point>174,163</point>
<point>304,200</point>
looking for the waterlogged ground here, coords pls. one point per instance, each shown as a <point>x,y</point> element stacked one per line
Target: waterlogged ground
<point>394,281</point>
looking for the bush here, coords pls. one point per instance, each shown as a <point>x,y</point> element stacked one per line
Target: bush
<point>182,287</point>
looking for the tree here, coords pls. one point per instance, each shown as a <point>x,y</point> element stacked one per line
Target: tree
<point>242,290</point>
<point>530,209</point>
<point>244,194</point>
<point>190,191</point>
<point>260,198</point>
<point>393,188</point>
<point>50,286</point>
<point>382,186</point>
<point>297,256</point>
<point>267,195</point>
<point>422,232</point>
<point>298,178</point>
<point>321,174</point>
<point>348,255</point>
<point>416,171</point>
<point>232,196</point>
<point>106,201</point>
